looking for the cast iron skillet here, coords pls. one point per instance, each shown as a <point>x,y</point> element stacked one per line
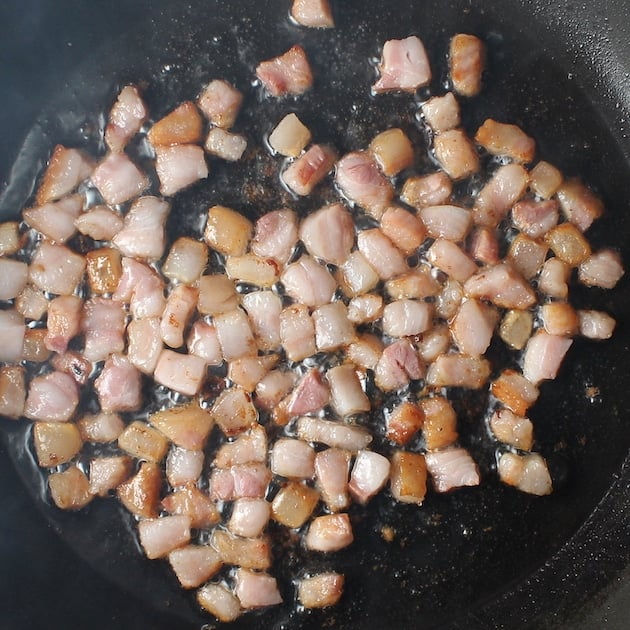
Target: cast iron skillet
<point>482,558</point>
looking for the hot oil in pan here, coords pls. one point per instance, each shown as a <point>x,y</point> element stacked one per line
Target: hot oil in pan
<point>456,550</point>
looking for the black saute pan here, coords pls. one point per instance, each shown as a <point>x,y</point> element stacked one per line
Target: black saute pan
<point>483,558</point>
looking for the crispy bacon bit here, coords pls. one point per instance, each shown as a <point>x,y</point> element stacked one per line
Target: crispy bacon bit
<point>404,422</point>
<point>104,269</point>
<point>141,494</point>
<point>192,502</point>
<point>294,504</point>
<point>289,73</point>
<point>404,66</point>
<point>559,318</point>
<point>516,328</point>
<point>466,63</point>
<point>568,244</point>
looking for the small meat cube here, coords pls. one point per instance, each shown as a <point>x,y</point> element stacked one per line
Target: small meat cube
<point>405,420</point>
<point>256,590</point>
<point>181,126</point>
<point>408,477</point>
<point>70,489</point>
<point>511,429</point>
<point>220,102</point>
<point>452,468</point>
<point>392,150</point>
<point>56,443</point>
<point>220,602</point>
<point>118,179</point>
<point>528,473</point>
<point>506,140</point>
<point>440,422</point>
<point>194,564</point>
<point>320,591</point>
<point>289,73</point>
<point>179,166</point>
<point>119,385</point>
<point>294,504</point>
<point>141,494</point>
<point>331,532</point>
<point>456,154</point>
<point>290,136</point>
<point>309,169</point>
<point>312,13</point>
<point>225,145</point>
<point>143,442</point>
<point>466,63</point>
<point>125,119</point>
<point>514,391</point>
<point>442,112</point>
<point>427,190</point>
<point>404,66</point>
<point>52,397</point>
<point>160,536</point>
<point>228,231</point>
<point>369,475</point>
<point>107,473</point>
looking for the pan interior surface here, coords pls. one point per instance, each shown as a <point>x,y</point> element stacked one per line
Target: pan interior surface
<point>465,558</point>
